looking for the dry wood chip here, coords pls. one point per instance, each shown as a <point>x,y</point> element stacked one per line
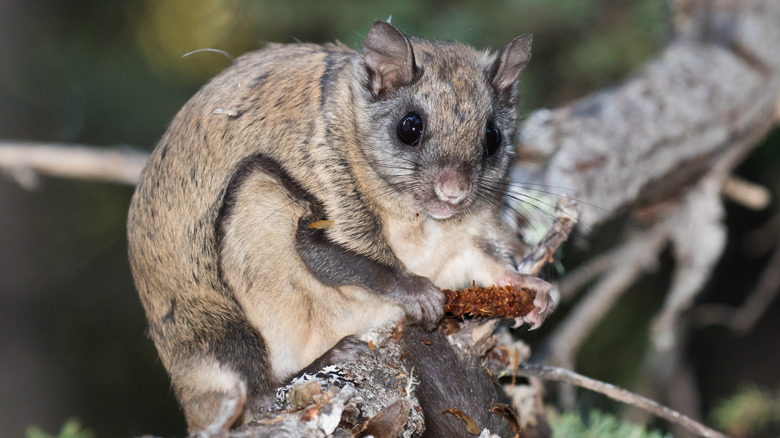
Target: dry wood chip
<point>509,415</point>
<point>471,426</point>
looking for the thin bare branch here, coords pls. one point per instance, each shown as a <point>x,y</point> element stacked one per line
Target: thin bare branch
<point>742,319</point>
<point>574,280</point>
<point>746,193</point>
<point>616,393</point>
<point>639,256</point>
<point>566,216</point>
<point>25,159</point>
<point>761,297</point>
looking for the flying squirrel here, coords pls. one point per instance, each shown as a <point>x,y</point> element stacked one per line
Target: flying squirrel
<point>402,148</point>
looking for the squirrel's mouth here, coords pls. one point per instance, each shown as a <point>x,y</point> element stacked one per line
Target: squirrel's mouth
<point>440,210</point>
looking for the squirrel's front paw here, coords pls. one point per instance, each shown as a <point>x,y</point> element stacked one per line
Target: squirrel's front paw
<point>421,299</point>
<point>544,303</point>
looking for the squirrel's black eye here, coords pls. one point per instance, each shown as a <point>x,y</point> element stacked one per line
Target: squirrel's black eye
<point>410,128</point>
<point>492,139</point>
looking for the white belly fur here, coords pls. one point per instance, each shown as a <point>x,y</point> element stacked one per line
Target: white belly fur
<point>444,252</point>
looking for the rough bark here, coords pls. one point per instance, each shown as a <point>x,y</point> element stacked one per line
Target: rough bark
<point>713,89</point>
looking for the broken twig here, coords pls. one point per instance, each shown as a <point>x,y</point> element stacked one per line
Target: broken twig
<point>616,393</point>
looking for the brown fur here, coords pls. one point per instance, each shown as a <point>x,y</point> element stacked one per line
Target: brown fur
<point>302,132</point>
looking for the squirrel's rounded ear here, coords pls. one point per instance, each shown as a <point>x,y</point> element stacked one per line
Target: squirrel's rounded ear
<point>389,59</point>
<point>507,67</point>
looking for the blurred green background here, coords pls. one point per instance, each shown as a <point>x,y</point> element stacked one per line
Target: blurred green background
<point>72,331</point>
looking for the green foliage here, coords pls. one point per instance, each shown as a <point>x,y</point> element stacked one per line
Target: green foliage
<point>751,410</point>
<point>599,425</point>
<point>71,429</point>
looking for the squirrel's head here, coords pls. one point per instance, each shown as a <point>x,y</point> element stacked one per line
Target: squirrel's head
<point>439,119</point>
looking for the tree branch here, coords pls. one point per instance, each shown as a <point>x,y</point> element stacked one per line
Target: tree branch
<point>616,393</point>
<point>716,84</point>
<point>24,159</point>
<point>638,256</point>
<point>742,319</point>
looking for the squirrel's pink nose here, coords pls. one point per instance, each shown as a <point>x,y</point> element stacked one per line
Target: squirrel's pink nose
<point>451,186</point>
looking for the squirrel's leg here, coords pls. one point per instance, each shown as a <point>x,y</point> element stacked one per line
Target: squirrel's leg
<point>211,349</point>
